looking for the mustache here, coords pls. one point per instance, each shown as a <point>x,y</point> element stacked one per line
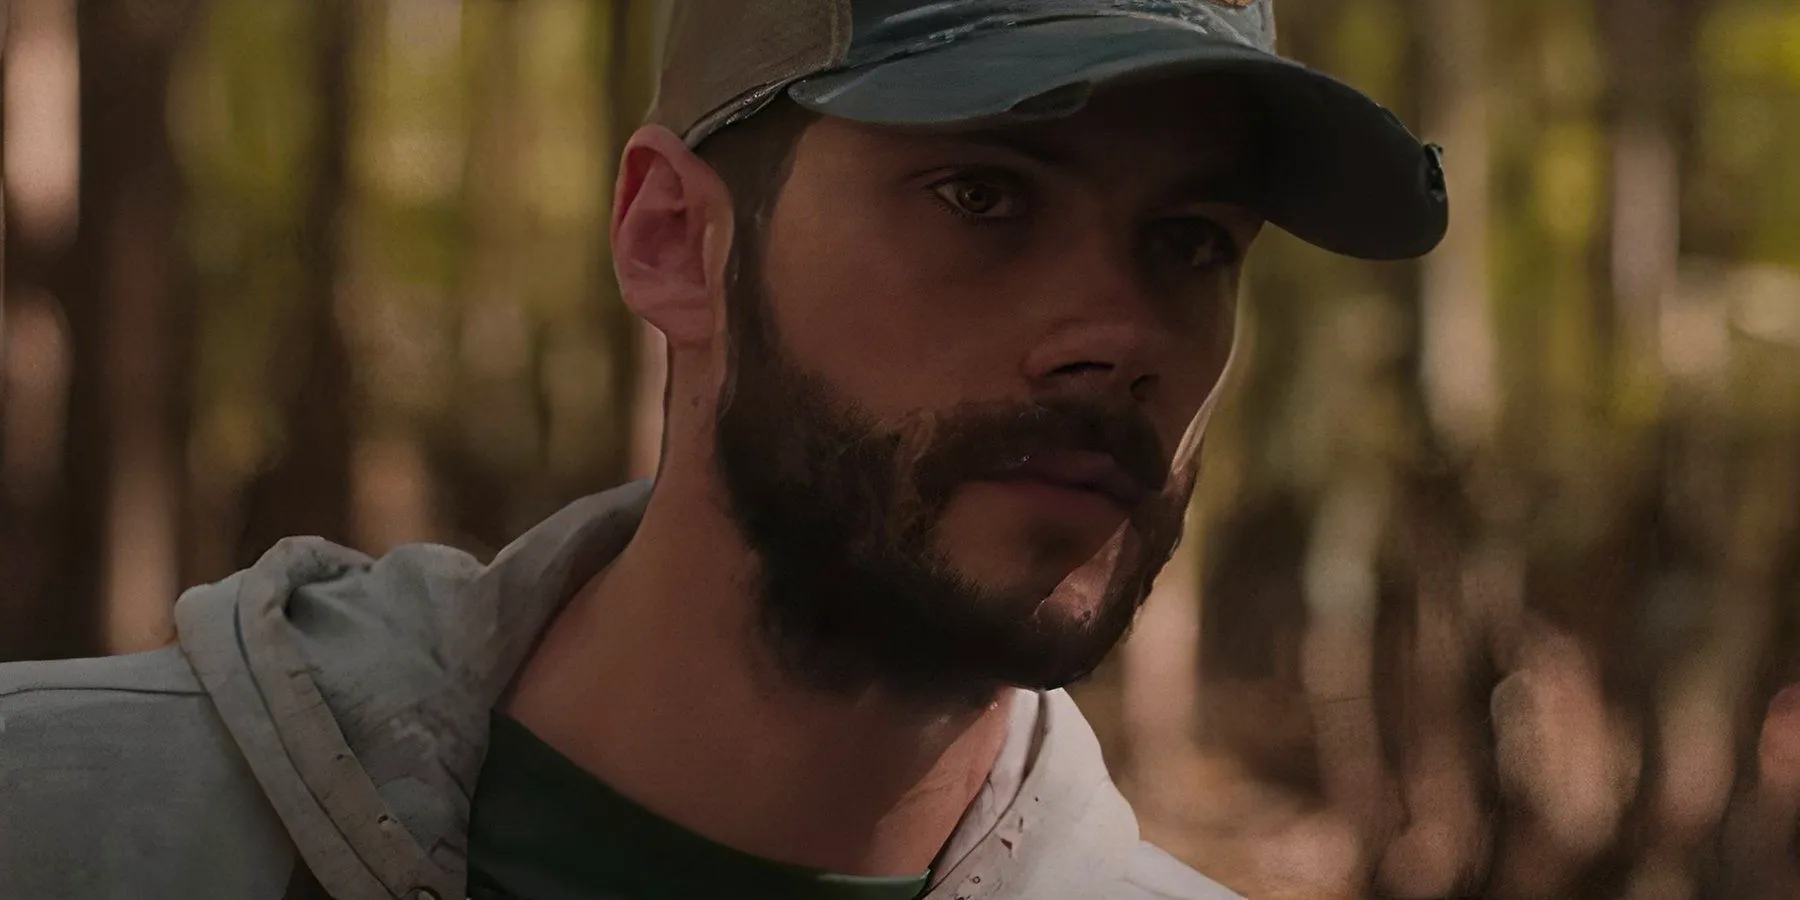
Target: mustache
<point>974,442</point>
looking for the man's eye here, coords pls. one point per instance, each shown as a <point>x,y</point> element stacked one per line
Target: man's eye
<point>977,198</point>
<point>1194,243</point>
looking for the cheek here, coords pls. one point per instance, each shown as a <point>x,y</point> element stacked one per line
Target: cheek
<point>892,325</point>
<point>1195,372</point>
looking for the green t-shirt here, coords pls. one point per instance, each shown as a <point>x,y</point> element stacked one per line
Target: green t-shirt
<point>542,828</point>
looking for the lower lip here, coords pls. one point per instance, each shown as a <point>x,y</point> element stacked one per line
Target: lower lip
<point>1061,500</point>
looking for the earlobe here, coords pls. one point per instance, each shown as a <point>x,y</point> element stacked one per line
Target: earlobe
<point>671,228</point>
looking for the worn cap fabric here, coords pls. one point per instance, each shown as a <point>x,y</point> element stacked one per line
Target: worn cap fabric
<point>1337,169</point>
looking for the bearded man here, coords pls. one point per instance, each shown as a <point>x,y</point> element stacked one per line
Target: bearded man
<point>949,289</point>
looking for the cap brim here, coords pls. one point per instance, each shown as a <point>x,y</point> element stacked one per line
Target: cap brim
<point>1338,170</point>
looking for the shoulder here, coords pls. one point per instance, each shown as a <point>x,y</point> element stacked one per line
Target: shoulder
<point>376,639</point>
<point>127,776</point>
<point>320,653</point>
<point>356,610</point>
<point>369,634</point>
<point>1153,874</point>
<point>403,590</point>
<point>361,623</point>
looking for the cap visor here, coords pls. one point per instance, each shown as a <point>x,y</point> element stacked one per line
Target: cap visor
<point>1339,171</point>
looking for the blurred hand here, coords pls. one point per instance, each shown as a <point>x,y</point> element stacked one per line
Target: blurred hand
<point>1757,843</point>
<point>1565,764</point>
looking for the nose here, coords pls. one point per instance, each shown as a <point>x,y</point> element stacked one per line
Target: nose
<point>1100,359</point>
<point>1104,336</point>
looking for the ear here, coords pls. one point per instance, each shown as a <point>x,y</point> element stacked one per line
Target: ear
<point>671,237</point>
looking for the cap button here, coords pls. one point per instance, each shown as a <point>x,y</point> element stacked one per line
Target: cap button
<point>422,893</point>
<point>1434,171</point>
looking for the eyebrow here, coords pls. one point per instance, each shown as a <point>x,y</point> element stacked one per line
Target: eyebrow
<point>1230,185</point>
<point>1041,151</point>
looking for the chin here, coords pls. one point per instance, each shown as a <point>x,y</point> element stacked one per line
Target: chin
<point>1024,574</point>
<point>1003,537</point>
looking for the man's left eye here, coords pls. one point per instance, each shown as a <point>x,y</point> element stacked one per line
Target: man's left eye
<point>1192,242</point>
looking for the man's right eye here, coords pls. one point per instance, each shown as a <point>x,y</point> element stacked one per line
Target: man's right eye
<point>979,198</point>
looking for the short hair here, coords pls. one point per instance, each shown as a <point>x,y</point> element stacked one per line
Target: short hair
<point>754,158</point>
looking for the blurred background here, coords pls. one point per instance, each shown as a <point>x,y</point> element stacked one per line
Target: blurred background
<point>1495,575</point>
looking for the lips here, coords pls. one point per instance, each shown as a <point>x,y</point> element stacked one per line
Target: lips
<point>1096,472</point>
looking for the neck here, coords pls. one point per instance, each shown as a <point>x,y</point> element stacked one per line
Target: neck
<point>654,680</point>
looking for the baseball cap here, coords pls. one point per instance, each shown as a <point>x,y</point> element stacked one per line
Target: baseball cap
<point>1337,169</point>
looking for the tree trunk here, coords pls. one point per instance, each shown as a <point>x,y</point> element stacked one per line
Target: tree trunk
<point>1440,847</point>
<point>41,111</point>
<point>1339,663</point>
<point>128,301</point>
<point>1458,368</point>
<point>308,489</point>
<point>1647,56</point>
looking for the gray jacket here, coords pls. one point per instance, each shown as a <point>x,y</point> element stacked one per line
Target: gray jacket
<point>324,716</point>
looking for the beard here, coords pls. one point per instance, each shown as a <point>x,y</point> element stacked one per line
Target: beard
<point>854,591</point>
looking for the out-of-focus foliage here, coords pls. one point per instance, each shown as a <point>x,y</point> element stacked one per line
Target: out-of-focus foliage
<point>1498,554</point>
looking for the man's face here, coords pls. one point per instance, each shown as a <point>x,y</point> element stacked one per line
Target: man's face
<point>960,367</point>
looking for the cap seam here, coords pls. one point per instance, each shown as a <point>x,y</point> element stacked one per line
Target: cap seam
<point>946,37</point>
<point>841,32</point>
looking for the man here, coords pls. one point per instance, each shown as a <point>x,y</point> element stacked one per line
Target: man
<point>948,291</point>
